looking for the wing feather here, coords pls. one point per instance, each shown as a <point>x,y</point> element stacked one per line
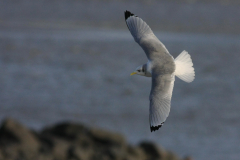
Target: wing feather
<point>162,69</point>
<point>144,36</point>
<point>160,99</point>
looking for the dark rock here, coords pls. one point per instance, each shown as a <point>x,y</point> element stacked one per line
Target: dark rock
<point>13,132</point>
<point>77,153</point>
<point>171,156</point>
<point>108,145</point>
<point>47,144</point>
<point>188,158</point>
<point>152,151</point>
<point>107,154</point>
<point>105,138</point>
<point>135,153</point>
<point>17,141</point>
<point>69,141</point>
<point>60,149</point>
<point>84,141</point>
<point>1,155</point>
<point>66,131</point>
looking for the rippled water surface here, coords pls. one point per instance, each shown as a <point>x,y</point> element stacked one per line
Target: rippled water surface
<point>71,61</point>
<point>83,75</point>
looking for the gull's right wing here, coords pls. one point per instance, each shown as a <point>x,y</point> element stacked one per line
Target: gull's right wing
<point>160,99</point>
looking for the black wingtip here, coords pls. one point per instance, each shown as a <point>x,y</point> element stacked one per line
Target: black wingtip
<point>154,128</point>
<point>128,14</point>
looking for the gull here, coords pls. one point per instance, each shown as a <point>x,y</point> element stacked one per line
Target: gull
<point>161,66</point>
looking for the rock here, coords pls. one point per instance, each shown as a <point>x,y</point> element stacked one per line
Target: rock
<point>66,131</point>
<point>1,155</point>
<point>17,141</point>
<point>105,138</point>
<point>60,149</point>
<point>75,152</point>
<point>152,151</point>
<point>69,141</point>
<point>171,156</point>
<point>188,158</point>
<point>135,153</point>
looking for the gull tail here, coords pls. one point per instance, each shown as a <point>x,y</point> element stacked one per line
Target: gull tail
<point>184,67</point>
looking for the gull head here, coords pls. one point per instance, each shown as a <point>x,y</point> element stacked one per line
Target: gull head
<point>141,70</point>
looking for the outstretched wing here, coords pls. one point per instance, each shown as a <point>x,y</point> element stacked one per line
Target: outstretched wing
<point>144,36</point>
<point>160,99</point>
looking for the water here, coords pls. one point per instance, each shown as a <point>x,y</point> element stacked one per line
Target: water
<point>83,75</point>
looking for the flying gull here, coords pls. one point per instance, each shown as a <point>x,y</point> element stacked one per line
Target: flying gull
<point>161,66</point>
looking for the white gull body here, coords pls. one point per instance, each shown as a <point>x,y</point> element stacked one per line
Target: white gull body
<point>161,66</point>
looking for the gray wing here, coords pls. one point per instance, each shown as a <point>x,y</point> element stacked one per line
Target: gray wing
<point>160,99</point>
<point>144,36</point>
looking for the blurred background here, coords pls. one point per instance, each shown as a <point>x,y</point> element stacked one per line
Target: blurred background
<point>71,61</point>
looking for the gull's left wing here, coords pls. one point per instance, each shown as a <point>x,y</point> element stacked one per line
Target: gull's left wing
<point>144,36</point>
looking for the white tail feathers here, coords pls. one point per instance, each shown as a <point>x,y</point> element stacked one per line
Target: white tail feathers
<point>184,67</point>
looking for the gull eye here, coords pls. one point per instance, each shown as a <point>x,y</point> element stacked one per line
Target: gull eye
<point>139,70</point>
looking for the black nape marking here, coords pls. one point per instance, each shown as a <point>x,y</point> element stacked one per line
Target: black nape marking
<point>128,14</point>
<point>154,128</point>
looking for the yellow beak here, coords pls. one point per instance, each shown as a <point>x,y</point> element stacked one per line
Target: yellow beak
<point>133,73</point>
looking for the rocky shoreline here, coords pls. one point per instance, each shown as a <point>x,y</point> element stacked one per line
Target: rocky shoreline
<point>69,141</point>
